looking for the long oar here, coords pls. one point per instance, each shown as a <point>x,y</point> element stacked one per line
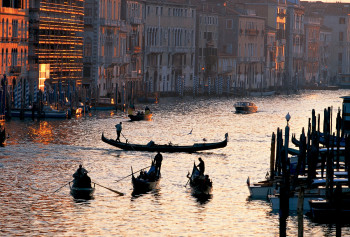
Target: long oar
<point>127,141</point>
<point>62,186</point>
<point>121,194</point>
<point>131,174</point>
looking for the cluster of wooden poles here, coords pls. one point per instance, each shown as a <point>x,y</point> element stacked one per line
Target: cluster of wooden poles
<point>309,156</point>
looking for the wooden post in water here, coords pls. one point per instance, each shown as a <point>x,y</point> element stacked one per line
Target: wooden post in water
<point>347,156</point>
<point>279,151</point>
<point>300,212</point>
<point>272,156</point>
<point>338,126</point>
<point>285,186</point>
<point>313,125</point>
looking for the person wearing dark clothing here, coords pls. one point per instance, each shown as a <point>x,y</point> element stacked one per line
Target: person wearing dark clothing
<point>201,166</point>
<point>158,162</point>
<point>119,130</point>
<point>81,179</point>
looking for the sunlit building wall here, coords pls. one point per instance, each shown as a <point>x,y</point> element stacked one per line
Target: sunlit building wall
<point>312,44</point>
<point>207,38</point>
<point>14,39</point>
<point>275,13</point>
<point>56,40</point>
<point>105,49</point>
<point>169,46</point>
<point>295,43</point>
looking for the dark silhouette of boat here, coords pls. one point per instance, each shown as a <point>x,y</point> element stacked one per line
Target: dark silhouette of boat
<point>145,181</point>
<point>151,146</point>
<point>200,184</point>
<point>140,116</point>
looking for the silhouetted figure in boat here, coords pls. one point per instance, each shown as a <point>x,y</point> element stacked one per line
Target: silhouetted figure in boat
<point>81,179</point>
<point>158,162</point>
<point>119,131</point>
<point>201,166</point>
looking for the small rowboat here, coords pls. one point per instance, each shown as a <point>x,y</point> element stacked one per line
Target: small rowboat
<point>167,147</point>
<point>146,181</point>
<point>200,184</point>
<point>81,193</point>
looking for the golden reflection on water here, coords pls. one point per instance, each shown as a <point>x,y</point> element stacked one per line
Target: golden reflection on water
<point>41,157</point>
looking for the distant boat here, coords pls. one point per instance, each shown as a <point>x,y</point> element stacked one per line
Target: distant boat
<point>140,116</point>
<point>151,146</point>
<point>47,112</point>
<point>244,107</point>
<point>262,93</point>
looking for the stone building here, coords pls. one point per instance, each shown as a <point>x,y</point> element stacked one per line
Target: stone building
<point>295,43</point>
<point>312,25</point>
<point>14,21</point>
<point>242,35</point>
<point>169,55</point>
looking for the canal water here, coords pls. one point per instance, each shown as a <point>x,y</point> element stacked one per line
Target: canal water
<point>41,156</point>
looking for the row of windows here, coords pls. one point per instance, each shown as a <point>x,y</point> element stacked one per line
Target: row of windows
<point>11,58</point>
<point>10,29</point>
<point>180,12</point>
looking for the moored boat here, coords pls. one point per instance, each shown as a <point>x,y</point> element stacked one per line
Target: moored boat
<point>146,181</point>
<point>200,184</point>
<point>244,107</point>
<point>151,146</point>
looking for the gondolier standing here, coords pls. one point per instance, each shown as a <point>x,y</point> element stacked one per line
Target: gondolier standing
<point>158,162</point>
<point>119,130</point>
<point>201,166</point>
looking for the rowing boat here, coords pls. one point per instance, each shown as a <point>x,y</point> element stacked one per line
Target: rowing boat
<point>152,147</point>
<point>145,181</point>
<point>200,183</point>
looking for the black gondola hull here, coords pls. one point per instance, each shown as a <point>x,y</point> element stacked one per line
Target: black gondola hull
<point>166,148</point>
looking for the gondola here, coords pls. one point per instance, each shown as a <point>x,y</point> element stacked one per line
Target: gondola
<point>145,181</point>
<point>167,147</point>
<point>200,184</point>
<point>140,116</point>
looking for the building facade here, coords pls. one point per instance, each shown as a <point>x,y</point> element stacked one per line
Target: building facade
<point>14,22</point>
<point>169,49</point>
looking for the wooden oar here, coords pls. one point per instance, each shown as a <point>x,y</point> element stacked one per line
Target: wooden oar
<point>121,194</point>
<point>131,174</point>
<point>62,186</point>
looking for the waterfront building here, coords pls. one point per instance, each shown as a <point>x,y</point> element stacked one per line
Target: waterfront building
<point>325,54</point>
<point>295,43</point>
<point>270,58</point>
<point>14,40</point>
<point>105,47</point>
<point>312,43</point>
<point>206,54</point>
<point>335,16</point>
<point>169,35</point>
<point>133,78</point>
<point>56,44</point>
<point>275,13</point>
<point>242,35</point>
